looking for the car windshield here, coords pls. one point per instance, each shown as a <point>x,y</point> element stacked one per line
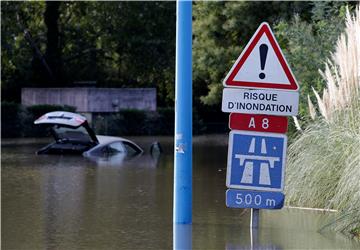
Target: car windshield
<point>72,134</point>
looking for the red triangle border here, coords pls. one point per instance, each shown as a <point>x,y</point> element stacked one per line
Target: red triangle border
<point>264,28</point>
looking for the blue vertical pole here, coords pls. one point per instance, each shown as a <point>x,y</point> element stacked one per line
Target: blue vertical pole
<point>183,115</point>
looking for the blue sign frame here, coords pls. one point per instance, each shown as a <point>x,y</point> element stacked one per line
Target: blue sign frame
<point>256,160</point>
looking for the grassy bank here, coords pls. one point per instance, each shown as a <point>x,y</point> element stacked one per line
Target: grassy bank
<point>324,168</point>
<point>324,160</point>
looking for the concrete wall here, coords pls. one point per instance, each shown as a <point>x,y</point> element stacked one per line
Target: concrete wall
<point>92,100</point>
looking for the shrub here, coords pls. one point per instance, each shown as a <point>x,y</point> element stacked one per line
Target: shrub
<point>125,122</point>
<point>165,125</point>
<point>160,122</point>
<point>135,122</point>
<point>131,121</point>
<point>11,123</point>
<point>324,160</point>
<point>306,44</point>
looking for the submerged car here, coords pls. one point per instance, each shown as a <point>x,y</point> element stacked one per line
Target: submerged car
<point>73,135</point>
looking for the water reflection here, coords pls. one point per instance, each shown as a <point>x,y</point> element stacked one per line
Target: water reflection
<point>255,244</point>
<point>56,202</point>
<point>120,159</point>
<point>62,192</point>
<point>286,229</point>
<point>81,201</point>
<point>182,237</point>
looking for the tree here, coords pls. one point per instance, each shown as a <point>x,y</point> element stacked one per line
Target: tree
<point>306,32</point>
<point>117,44</point>
<point>306,45</point>
<point>53,50</point>
<point>221,30</point>
<point>16,53</point>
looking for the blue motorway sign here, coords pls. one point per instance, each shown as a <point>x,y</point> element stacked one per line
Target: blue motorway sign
<point>236,198</point>
<point>256,160</point>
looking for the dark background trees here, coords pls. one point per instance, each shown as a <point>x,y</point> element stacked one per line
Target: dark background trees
<point>132,44</point>
<point>117,44</point>
<point>306,31</point>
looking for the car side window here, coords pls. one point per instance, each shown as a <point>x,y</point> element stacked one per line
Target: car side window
<point>130,149</point>
<point>116,147</point>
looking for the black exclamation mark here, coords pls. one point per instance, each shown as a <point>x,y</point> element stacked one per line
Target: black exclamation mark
<point>263,54</point>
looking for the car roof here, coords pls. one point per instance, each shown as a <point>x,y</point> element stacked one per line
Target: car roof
<point>104,139</point>
<point>62,118</point>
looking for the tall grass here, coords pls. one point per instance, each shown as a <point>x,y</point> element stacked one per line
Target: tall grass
<point>324,160</point>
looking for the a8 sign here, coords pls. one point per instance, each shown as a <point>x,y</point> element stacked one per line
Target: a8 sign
<point>260,123</point>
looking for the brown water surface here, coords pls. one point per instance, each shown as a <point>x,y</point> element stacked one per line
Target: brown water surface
<point>69,202</point>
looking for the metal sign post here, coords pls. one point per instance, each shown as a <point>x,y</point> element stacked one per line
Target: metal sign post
<point>254,220</point>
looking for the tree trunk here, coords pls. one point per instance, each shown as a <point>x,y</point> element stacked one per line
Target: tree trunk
<point>53,50</point>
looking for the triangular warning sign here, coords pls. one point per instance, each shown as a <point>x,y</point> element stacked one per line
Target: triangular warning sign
<point>261,64</point>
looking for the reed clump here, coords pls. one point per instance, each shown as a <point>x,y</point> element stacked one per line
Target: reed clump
<point>324,160</point>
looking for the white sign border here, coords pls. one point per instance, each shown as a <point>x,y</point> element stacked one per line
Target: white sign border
<point>229,160</point>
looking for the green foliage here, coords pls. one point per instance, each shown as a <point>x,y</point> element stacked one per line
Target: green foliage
<point>221,30</point>
<point>356,232</point>
<point>207,119</point>
<point>323,168</point>
<point>117,44</point>
<point>122,123</point>
<point>161,122</point>
<point>18,121</point>
<point>132,121</point>
<point>132,44</point>
<point>324,162</point>
<point>136,122</point>
<point>306,45</point>
<point>16,53</point>
<point>306,32</point>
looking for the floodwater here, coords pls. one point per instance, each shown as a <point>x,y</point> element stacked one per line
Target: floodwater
<point>69,202</point>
